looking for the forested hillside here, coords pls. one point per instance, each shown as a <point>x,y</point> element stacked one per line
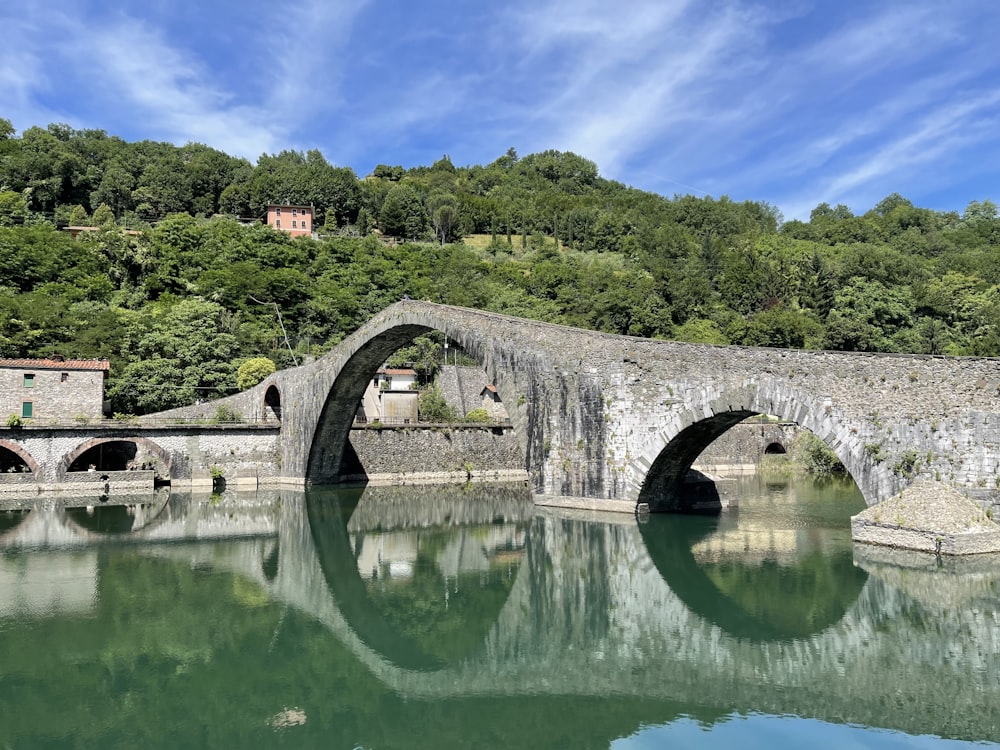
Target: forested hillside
<point>195,285</point>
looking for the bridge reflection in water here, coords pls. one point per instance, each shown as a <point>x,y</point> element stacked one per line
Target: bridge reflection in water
<point>586,627</point>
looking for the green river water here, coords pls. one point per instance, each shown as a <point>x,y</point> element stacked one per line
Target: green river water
<point>467,617</point>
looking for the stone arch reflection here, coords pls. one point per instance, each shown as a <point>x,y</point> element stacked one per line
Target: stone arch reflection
<point>127,514</point>
<point>11,518</point>
<point>421,574</point>
<point>760,584</point>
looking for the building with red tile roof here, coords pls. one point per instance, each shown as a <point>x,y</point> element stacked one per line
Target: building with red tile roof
<point>53,388</point>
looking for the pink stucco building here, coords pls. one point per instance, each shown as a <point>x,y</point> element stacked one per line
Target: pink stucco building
<point>295,220</point>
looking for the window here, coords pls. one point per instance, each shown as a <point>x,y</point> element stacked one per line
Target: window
<point>29,380</point>
<point>277,211</point>
<point>64,377</point>
<point>295,212</point>
<point>293,223</point>
<point>27,409</point>
<point>277,223</point>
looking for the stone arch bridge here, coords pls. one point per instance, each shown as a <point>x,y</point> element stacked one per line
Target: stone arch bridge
<point>621,418</point>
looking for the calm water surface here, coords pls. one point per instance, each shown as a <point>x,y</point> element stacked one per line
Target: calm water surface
<point>437,617</point>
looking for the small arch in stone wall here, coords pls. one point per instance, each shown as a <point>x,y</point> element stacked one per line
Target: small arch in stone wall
<point>272,404</point>
<point>117,454</point>
<point>14,459</point>
<point>775,449</point>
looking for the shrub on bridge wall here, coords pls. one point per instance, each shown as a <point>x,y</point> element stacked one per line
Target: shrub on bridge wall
<point>816,456</point>
<point>478,416</point>
<point>225,414</point>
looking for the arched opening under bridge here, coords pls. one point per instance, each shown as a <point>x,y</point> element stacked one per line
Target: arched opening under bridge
<point>119,454</point>
<point>15,460</point>
<point>670,484</point>
<point>378,378</point>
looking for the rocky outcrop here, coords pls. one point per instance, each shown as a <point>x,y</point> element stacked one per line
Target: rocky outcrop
<point>928,516</point>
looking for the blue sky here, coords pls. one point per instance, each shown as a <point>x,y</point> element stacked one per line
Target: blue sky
<point>786,101</point>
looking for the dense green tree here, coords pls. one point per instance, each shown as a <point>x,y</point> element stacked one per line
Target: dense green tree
<point>443,211</point>
<point>13,208</point>
<point>115,190</point>
<point>184,350</point>
<point>700,331</point>
<point>432,407</point>
<point>867,315</point>
<point>402,213</point>
<point>567,246</point>
<point>253,371</point>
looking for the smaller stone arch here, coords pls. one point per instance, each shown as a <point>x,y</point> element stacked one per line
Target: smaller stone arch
<point>161,456</point>
<point>272,404</point>
<point>775,449</point>
<point>21,457</point>
<point>663,468</point>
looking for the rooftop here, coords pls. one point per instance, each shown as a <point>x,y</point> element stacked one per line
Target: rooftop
<point>57,363</point>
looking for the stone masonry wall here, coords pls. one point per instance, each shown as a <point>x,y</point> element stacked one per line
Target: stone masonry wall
<point>435,453</point>
<point>251,454</point>
<point>80,394</point>
<point>178,452</point>
<point>462,387</point>
<point>740,449</point>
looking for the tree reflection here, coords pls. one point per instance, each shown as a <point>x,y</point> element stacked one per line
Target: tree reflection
<point>421,575</point>
<point>779,570</point>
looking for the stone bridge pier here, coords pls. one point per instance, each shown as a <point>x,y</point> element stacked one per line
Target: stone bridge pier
<point>620,418</point>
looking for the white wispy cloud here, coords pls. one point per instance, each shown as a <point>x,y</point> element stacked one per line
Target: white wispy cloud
<point>23,75</point>
<point>828,118</point>
<point>902,109</point>
<point>944,131</point>
<point>174,90</point>
<point>305,57</point>
<point>118,68</point>
<point>792,102</point>
<point>631,75</point>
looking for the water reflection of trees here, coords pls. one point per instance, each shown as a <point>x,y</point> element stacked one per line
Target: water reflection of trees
<point>448,593</point>
<point>421,574</point>
<point>780,567</point>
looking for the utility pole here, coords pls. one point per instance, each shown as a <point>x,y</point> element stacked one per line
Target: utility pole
<point>280,324</point>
